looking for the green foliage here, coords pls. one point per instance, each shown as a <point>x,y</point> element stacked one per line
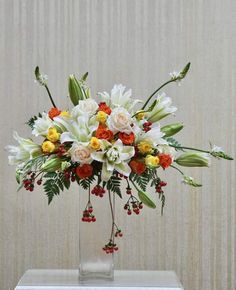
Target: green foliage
<point>32,120</point>
<point>174,142</point>
<point>141,180</point>
<point>85,183</point>
<point>113,185</point>
<point>55,183</point>
<point>145,199</point>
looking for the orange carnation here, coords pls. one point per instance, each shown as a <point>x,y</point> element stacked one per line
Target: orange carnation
<point>165,160</point>
<point>53,113</point>
<point>137,166</point>
<point>103,107</point>
<point>84,171</point>
<point>127,139</point>
<point>104,133</point>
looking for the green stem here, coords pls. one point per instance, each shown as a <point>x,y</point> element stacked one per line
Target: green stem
<point>157,90</point>
<point>189,148</point>
<point>113,217</point>
<point>134,184</point>
<point>50,96</point>
<point>176,168</point>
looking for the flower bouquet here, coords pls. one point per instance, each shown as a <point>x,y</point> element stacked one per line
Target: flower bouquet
<point>101,144</point>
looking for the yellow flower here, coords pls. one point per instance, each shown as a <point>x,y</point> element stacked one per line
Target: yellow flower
<point>65,114</point>
<point>144,147</point>
<point>95,143</point>
<point>48,147</point>
<point>140,115</point>
<point>53,135</point>
<point>151,161</point>
<point>101,117</point>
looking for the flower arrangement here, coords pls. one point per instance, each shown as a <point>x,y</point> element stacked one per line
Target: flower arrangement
<point>108,141</point>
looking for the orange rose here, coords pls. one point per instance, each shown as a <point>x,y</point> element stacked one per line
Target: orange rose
<point>137,166</point>
<point>165,160</point>
<point>103,107</point>
<point>127,139</point>
<point>103,133</point>
<point>53,113</point>
<point>84,171</point>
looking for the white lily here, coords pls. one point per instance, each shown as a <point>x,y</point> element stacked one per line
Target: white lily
<point>114,157</point>
<point>119,98</point>
<point>166,149</point>
<point>26,150</point>
<point>79,130</point>
<point>41,125</point>
<point>162,109</point>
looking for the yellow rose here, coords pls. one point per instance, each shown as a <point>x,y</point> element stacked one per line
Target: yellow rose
<point>53,135</point>
<point>151,161</point>
<point>65,114</point>
<point>144,147</point>
<point>48,147</point>
<point>140,115</point>
<point>101,117</point>
<point>95,143</point>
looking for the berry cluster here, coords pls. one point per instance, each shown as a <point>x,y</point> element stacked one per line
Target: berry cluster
<point>118,233</point>
<point>30,181</point>
<point>147,126</point>
<point>70,174</point>
<point>88,214</point>
<point>133,205</point>
<point>98,190</point>
<point>159,186</point>
<point>110,248</point>
<point>61,150</point>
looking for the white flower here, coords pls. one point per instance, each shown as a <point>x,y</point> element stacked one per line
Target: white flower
<point>41,125</point>
<point>154,136</point>
<point>114,157</point>
<point>177,77</point>
<point>162,108</point>
<point>119,98</point>
<point>119,121</point>
<point>80,153</point>
<point>88,106</point>
<point>26,150</point>
<point>80,130</point>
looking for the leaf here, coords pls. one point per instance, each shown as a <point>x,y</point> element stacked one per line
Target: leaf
<point>84,77</point>
<point>32,121</point>
<point>173,142</point>
<point>113,185</point>
<point>141,180</point>
<point>145,199</point>
<point>85,183</point>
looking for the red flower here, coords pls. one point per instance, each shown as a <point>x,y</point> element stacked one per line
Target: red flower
<point>165,160</point>
<point>137,166</point>
<point>103,107</point>
<point>53,113</point>
<point>84,171</point>
<point>103,133</point>
<point>127,139</point>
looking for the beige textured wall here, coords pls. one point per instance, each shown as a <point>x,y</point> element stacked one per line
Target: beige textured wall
<point>136,43</point>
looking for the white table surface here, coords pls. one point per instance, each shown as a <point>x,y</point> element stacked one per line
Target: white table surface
<point>68,280</point>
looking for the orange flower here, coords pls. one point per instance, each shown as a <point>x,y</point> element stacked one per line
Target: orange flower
<point>137,166</point>
<point>84,171</point>
<point>103,133</point>
<point>127,139</point>
<point>165,160</point>
<point>103,107</point>
<point>53,113</point>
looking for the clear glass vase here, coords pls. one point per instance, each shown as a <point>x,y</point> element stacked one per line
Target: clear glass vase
<point>95,230</point>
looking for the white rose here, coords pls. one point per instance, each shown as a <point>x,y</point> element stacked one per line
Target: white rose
<point>88,106</point>
<point>119,121</point>
<point>80,153</point>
